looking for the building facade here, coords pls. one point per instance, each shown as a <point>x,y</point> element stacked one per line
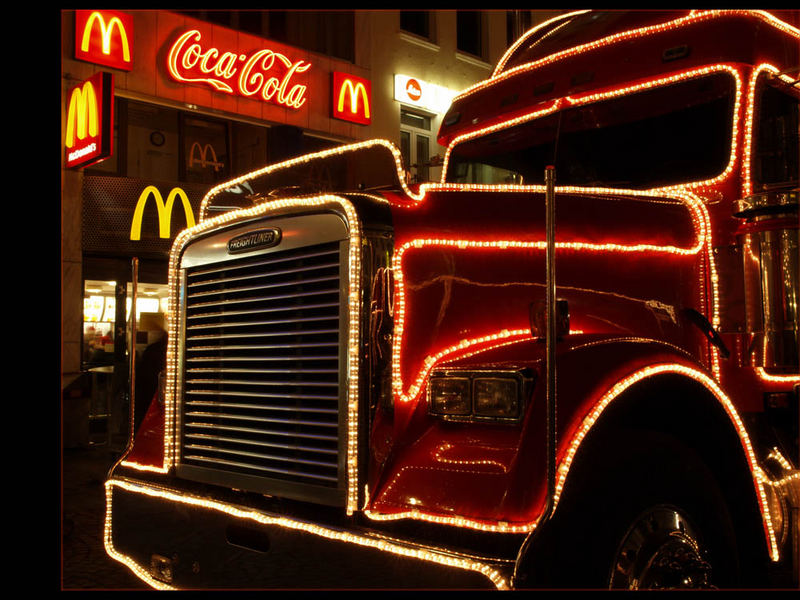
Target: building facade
<point>188,99</point>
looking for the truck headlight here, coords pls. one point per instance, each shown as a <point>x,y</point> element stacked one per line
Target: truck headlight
<point>496,397</point>
<point>450,396</point>
<point>478,395</point>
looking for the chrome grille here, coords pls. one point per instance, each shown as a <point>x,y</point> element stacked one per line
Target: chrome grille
<point>261,387</point>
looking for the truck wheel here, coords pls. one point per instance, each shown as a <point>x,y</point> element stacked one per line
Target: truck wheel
<point>661,550</point>
<point>648,515</point>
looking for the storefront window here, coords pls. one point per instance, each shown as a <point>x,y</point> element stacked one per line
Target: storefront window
<point>249,144</point>
<point>205,150</point>
<point>152,142</point>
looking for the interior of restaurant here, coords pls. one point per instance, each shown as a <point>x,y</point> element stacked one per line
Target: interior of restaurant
<point>106,352</point>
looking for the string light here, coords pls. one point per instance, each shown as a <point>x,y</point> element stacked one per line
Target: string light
<point>590,97</point>
<point>747,183</point>
<point>271,208</point>
<point>525,36</point>
<point>340,150</point>
<point>709,384</point>
<point>692,17</point>
<point>405,549</point>
<point>691,201</point>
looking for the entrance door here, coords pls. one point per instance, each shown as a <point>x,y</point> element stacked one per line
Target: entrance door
<point>107,345</point>
<point>415,140</point>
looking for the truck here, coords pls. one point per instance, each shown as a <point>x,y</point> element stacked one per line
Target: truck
<point>570,363</point>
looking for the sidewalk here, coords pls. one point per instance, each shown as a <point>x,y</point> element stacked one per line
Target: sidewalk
<point>84,562</point>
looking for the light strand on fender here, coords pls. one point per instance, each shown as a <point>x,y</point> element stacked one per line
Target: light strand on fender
<point>441,557</point>
<point>708,383</point>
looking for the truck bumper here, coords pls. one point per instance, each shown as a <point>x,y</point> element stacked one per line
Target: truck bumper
<point>172,540</point>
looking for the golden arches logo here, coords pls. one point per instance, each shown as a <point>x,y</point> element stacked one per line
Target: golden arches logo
<point>355,92</point>
<point>164,211</point>
<point>202,160</point>
<point>106,30</point>
<point>82,114</point>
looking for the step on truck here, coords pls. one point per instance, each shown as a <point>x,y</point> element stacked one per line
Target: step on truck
<point>571,362</point>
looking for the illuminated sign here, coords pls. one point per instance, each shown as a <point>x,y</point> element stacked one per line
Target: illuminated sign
<point>352,98</point>
<point>423,94</point>
<point>263,75</point>
<point>164,211</point>
<point>90,120</point>
<point>104,37</point>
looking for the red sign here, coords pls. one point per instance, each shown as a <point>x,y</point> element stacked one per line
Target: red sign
<point>414,90</point>
<point>352,97</point>
<point>263,75</point>
<point>90,121</point>
<point>104,37</point>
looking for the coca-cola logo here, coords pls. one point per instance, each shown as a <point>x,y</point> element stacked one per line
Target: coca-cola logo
<point>264,74</point>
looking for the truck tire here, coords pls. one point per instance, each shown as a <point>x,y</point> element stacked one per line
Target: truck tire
<point>647,515</point>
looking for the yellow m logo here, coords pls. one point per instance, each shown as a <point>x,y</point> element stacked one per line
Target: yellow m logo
<point>105,32</point>
<point>82,114</point>
<point>164,211</point>
<point>354,91</point>
<point>203,156</point>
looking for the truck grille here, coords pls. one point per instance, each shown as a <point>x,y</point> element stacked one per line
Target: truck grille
<point>261,387</point>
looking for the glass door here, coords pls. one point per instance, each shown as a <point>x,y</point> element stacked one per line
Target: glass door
<point>415,140</point>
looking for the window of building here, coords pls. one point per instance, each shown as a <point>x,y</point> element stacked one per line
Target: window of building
<point>417,22</point>
<point>469,32</point>
<point>327,32</point>
<point>152,141</point>
<point>249,148</point>
<point>206,158</point>
<point>517,23</point>
<point>415,141</point>
<point>156,143</point>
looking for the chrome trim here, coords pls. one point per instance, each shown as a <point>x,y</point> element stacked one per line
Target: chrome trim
<point>297,232</point>
<point>766,202</point>
<point>247,384</point>
<point>771,268</point>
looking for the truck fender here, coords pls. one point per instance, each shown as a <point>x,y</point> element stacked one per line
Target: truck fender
<point>637,384</point>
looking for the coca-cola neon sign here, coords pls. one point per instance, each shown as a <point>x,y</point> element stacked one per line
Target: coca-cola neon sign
<point>263,74</point>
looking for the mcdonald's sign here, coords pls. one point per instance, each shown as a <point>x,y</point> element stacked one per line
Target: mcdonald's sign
<point>352,98</point>
<point>90,121</point>
<point>104,37</point>
<point>205,156</point>
<point>164,211</point>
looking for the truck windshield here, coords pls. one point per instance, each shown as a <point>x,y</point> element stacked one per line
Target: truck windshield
<point>666,135</point>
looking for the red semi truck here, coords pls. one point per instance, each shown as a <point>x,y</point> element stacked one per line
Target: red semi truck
<point>572,362</point>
